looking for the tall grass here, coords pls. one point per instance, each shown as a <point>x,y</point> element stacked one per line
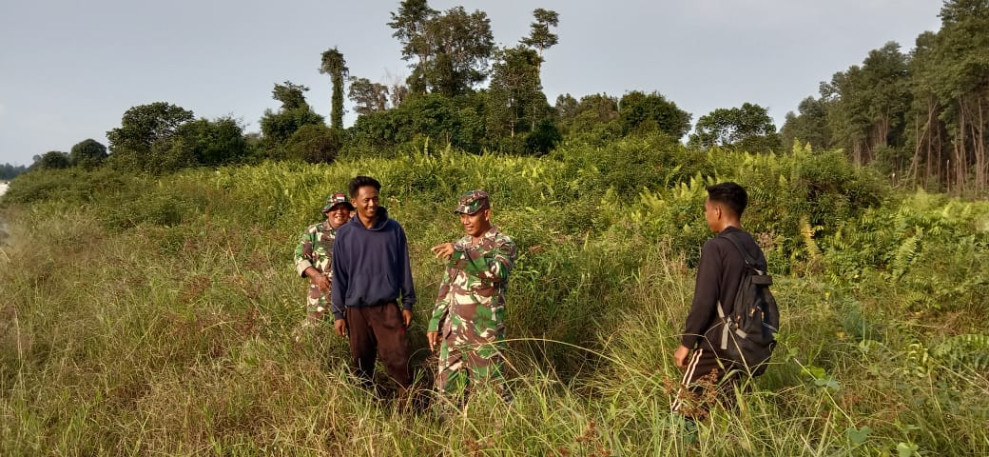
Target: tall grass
<point>148,316</point>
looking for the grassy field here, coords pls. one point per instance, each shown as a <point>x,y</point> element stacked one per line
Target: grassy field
<point>155,316</point>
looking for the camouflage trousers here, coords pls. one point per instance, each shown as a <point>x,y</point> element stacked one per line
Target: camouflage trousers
<point>317,303</point>
<point>471,350</point>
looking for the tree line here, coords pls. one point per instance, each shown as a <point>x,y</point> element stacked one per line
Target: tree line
<point>920,116</point>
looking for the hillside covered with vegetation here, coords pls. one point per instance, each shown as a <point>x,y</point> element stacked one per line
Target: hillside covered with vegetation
<point>149,314</point>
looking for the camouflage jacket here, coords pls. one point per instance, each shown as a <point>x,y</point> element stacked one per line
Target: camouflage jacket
<point>476,274</point>
<point>315,248</point>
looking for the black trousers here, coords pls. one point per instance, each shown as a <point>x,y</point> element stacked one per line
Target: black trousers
<point>707,379</point>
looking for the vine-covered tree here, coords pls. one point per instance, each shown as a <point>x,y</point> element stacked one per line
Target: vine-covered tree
<point>334,65</point>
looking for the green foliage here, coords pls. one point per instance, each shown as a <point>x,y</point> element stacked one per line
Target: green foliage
<point>809,126</point>
<point>747,128</point>
<point>52,160</point>
<point>540,38</point>
<point>452,48</point>
<point>8,171</point>
<point>593,120</point>
<point>88,154</point>
<point>334,65</point>
<point>641,113</point>
<point>516,102</point>
<point>458,121</point>
<point>314,143</point>
<point>141,128</point>
<point>367,96</point>
<point>183,306</point>
<point>278,127</point>
<point>213,143</point>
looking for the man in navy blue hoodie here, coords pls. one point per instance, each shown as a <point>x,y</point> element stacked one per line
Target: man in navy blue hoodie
<point>370,274</point>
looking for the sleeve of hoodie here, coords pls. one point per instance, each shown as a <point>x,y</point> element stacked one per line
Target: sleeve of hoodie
<point>408,289</point>
<point>338,289</point>
<point>706,290</point>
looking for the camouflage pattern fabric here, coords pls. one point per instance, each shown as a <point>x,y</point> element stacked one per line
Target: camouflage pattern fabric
<point>314,250</point>
<point>470,312</point>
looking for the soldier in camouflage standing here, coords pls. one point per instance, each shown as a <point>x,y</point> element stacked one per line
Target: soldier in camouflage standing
<point>312,256</point>
<point>468,321</point>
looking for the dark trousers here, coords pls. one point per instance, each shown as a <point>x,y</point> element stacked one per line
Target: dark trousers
<point>379,330</point>
<point>707,380</point>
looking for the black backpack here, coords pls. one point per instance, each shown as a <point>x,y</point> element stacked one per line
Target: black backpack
<point>747,337</point>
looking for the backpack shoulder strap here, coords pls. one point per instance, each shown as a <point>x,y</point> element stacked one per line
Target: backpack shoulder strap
<point>749,261</point>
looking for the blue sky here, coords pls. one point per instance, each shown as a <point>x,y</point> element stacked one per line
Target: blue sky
<point>69,69</point>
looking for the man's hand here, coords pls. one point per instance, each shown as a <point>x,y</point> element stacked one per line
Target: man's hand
<point>340,325</point>
<point>680,357</point>
<point>318,279</point>
<point>443,251</point>
<point>407,317</point>
<point>434,340</point>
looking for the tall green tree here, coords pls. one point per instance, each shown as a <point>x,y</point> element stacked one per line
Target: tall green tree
<point>747,128</point>
<point>464,43</point>
<point>593,118</point>
<point>212,143</point>
<point>334,65</point>
<point>140,129</point>
<point>52,160</point>
<point>540,37</point>
<point>516,99</point>
<point>368,97</point>
<point>648,113</point>
<point>278,126</point>
<point>411,25</point>
<point>292,96</point>
<point>867,104</point>
<point>808,125</point>
<point>451,49</point>
<point>88,154</point>
<point>960,80</point>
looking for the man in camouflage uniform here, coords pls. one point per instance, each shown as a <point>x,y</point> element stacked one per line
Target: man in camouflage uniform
<point>312,256</point>
<point>468,321</point>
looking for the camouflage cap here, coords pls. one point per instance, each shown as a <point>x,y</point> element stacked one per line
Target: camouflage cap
<point>336,199</point>
<point>472,202</point>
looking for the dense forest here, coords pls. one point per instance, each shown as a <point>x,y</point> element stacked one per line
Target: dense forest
<point>920,116</point>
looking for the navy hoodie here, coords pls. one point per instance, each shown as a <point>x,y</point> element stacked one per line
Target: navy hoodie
<point>371,266</point>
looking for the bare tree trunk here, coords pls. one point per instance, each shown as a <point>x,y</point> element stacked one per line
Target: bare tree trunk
<point>960,150</point>
<point>915,160</point>
<point>980,151</point>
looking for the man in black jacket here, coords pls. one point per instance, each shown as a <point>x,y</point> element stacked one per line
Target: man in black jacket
<point>371,273</point>
<point>718,277</point>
